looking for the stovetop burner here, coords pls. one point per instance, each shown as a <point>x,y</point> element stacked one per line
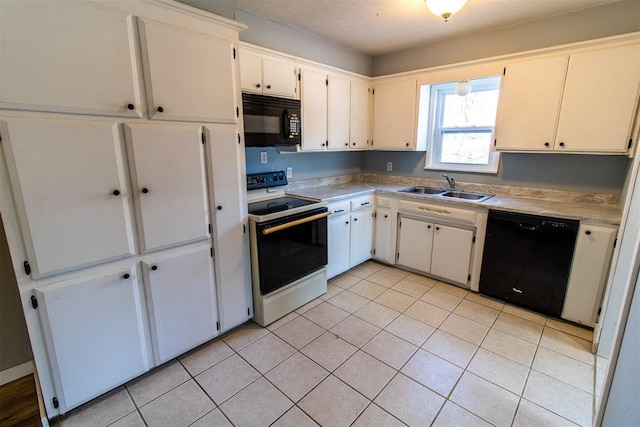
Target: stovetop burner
<point>279,204</point>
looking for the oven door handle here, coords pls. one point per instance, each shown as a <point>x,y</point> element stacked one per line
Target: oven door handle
<point>286,225</point>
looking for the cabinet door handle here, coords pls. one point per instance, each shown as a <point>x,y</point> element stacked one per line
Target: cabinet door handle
<point>268,86</point>
<point>116,192</point>
<point>386,216</point>
<point>407,144</point>
<point>355,219</point>
<point>338,211</point>
<point>428,227</point>
<point>346,143</point>
<point>353,143</point>
<point>145,190</point>
<point>219,207</point>
<point>154,267</point>
<point>258,85</point>
<point>546,144</point>
<point>588,232</point>
<point>346,222</point>
<point>437,228</point>
<point>131,106</point>
<point>125,276</point>
<point>160,110</point>
<point>562,144</point>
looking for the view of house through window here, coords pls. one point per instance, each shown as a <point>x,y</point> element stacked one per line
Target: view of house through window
<point>461,132</point>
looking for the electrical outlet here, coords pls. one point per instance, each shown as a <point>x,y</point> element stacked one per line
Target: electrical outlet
<point>289,172</point>
<point>263,157</point>
<point>389,166</point>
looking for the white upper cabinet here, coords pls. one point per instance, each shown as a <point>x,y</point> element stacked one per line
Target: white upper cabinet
<point>530,96</point>
<point>95,334</point>
<point>360,117</point>
<point>182,302</point>
<point>188,76</point>
<point>168,178</point>
<point>584,102</point>
<point>314,109</point>
<point>267,76</point>
<point>394,115</point>
<point>70,190</point>
<point>338,109</point>
<point>599,100</point>
<point>68,57</point>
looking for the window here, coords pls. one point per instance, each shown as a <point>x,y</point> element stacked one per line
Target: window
<point>460,132</point>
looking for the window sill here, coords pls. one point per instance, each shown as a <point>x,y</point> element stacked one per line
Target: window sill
<point>465,169</point>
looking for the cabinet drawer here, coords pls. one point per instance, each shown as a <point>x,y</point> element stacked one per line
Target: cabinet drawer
<point>437,211</point>
<point>338,208</point>
<point>363,202</point>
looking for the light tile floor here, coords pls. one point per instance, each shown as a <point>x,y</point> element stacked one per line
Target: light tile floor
<point>383,347</point>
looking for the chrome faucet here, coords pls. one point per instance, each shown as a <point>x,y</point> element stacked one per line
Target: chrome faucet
<point>450,180</point>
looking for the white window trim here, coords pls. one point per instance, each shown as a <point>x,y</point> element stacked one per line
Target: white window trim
<point>433,146</point>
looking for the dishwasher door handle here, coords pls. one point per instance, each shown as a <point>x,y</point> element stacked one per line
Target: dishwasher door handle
<point>527,227</point>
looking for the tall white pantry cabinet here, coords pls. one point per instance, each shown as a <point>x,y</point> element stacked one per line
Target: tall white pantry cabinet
<point>122,186</point>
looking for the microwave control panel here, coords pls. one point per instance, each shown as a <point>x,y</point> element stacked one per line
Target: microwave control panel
<point>294,125</point>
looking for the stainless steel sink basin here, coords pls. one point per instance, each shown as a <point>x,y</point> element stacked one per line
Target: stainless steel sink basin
<point>423,190</point>
<point>449,193</point>
<point>466,196</point>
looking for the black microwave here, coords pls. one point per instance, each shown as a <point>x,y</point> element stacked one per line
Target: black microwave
<point>271,122</point>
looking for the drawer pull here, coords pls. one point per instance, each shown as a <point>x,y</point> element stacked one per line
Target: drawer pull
<point>440,211</point>
<point>364,203</point>
<point>338,211</point>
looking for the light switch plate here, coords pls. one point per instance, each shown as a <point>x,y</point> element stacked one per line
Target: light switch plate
<point>289,172</point>
<point>263,157</point>
<point>389,166</point>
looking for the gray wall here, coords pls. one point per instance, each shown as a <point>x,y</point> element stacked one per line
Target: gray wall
<point>14,340</point>
<point>305,165</point>
<point>585,173</point>
<point>608,20</point>
<point>273,35</point>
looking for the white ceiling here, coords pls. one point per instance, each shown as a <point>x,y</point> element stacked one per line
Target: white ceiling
<point>377,27</point>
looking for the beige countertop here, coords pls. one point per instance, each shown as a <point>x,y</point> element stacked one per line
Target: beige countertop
<point>584,211</point>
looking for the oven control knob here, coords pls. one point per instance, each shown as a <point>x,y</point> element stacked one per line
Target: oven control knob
<point>219,207</point>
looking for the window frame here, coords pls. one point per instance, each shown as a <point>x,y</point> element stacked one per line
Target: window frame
<point>437,93</point>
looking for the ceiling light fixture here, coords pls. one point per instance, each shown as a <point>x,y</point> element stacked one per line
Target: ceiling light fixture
<point>463,87</point>
<point>445,8</point>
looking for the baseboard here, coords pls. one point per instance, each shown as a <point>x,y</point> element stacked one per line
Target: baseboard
<point>15,373</point>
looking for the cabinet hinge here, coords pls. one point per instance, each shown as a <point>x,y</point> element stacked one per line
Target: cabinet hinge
<point>237,111</point>
<point>244,229</point>
<point>398,255</point>
<point>34,302</point>
<point>248,311</point>
<point>326,81</point>
<point>469,277</point>
<point>374,251</point>
<point>628,146</point>
<point>599,311</point>
<point>372,142</point>
<point>27,267</point>
<point>615,242</point>
<point>217,326</point>
<point>400,224</point>
<point>375,215</point>
<point>204,138</point>
<point>373,91</point>
<point>298,76</point>
<point>495,141</point>
<point>211,251</point>
<point>210,229</point>
<point>473,240</point>
<point>504,71</point>
<point>55,402</point>
<point>0,138</point>
<point>234,53</point>
<point>326,142</point>
<point>238,138</point>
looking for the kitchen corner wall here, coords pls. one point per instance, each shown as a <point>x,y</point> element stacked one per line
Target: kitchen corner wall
<point>14,340</point>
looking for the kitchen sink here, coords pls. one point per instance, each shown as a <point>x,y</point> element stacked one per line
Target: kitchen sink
<point>449,193</point>
<point>466,196</point>
<point>423,190</point>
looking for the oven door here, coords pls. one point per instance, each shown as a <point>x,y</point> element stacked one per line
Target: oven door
<point>291,247</point>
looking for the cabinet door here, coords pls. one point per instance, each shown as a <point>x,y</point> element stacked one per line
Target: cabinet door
<point>228,201</point>
<point>94,330</point>
<point>169,184</point>
<point>250,72</point>
<point>589,269</point>
<point>70,190</point>
<point>279,78</point>
<point>415,240</point>
<point>68,56</point>
<point>313,98</point>
<point>361,237</point>
<point>181,301</point>
<point>360,117</point>
<point>599,100</point>
<point>451,257</point>
<point>394,115</point>
<point>338,230</point>
<point>188,75</point>
<point>338,106</point>
<point>383,249</point>
<point>530,95</point>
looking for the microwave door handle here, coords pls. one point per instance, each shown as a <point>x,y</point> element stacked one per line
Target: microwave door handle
<point>286,124</point>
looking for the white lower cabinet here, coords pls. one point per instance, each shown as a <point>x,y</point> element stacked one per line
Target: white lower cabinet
<point>591,261</point>
<point>436,249</point>
<point>382,248</point>
<point>349,234</point>
<point>181,301</point>
<point>95,334</point>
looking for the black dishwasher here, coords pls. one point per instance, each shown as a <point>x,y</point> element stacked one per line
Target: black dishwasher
<point>527,259</point>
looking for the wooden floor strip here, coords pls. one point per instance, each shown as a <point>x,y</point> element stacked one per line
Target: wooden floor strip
<point>19,403</point>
